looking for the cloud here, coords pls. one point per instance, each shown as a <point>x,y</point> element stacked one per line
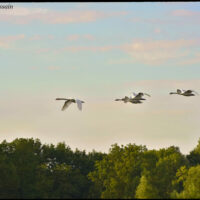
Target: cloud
<point>174,17</point>
<point>76,49</point>
<point>190,61</point>
<point>41,37</point>
<point>7,41</point>
<point>146,51</point>
<point>73,37</point>
<point>76,37</point>
<point>89,37</point>
<point>149,45</point>
<point>186,17</point>
<point>22,15</point>
<point>12,37</point>
<point>157,30</point>
<point>53,68</point>
<point>185,13</point>
<point>159,51</point>
<point>157,21</point>
<point>22,11</point>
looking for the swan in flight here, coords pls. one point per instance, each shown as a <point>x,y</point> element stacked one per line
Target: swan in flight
<point>127,99</point>
<point>138,96</point>
<point>185,92</point>
<point>69,101</point>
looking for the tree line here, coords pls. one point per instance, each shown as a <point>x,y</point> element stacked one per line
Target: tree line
<point>30,169</point>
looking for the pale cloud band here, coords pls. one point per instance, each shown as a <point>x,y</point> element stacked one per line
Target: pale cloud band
<point>76,37</point>
<point>22,15</point>
<point>146,51</point>
<point>185,13</point>
<point>7,41</point>
<point>158,52</point>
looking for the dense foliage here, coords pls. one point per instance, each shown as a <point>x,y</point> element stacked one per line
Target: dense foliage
<point>29,169</point>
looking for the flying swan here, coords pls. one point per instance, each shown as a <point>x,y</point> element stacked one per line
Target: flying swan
<point>185,92</point>
<point>131,100</point>
<point>138,96</point>
<point>69,101</point>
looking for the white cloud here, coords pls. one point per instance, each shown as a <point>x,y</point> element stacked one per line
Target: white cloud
<point>157,52</point>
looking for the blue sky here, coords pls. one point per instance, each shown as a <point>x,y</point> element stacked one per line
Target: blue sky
<point>98,52</point>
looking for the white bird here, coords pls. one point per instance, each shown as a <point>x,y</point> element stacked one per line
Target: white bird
<point>69,101</point>
<point>185,92</point>
<point>138,96</point>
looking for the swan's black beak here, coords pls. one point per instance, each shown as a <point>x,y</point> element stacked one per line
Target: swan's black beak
<point>82,101</point>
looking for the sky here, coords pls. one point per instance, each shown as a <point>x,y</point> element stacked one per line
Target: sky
<point>98,52</point>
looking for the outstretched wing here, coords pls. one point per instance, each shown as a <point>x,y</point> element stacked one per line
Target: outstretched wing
<point>66,104</point>
<point>61,99</point>
<point>79,104</point>
<point>187,91</point>
<point>190,91</point>
<point>195,92</point>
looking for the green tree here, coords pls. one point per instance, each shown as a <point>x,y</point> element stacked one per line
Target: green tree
<point>194,156</point>
<point>26,158</point>
<point>191,185</point>
<point>145,190</point>
<point>180,178</point>
<point>118,174</point>
<point>9,184</point>
<point>32,170</point>
<point>158,172</point>
<point>162,175</point>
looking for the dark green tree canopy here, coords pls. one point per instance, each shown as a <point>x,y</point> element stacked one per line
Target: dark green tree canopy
<point>30,169</point>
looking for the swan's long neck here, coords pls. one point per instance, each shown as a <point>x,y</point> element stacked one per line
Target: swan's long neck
<point>173,93</point>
